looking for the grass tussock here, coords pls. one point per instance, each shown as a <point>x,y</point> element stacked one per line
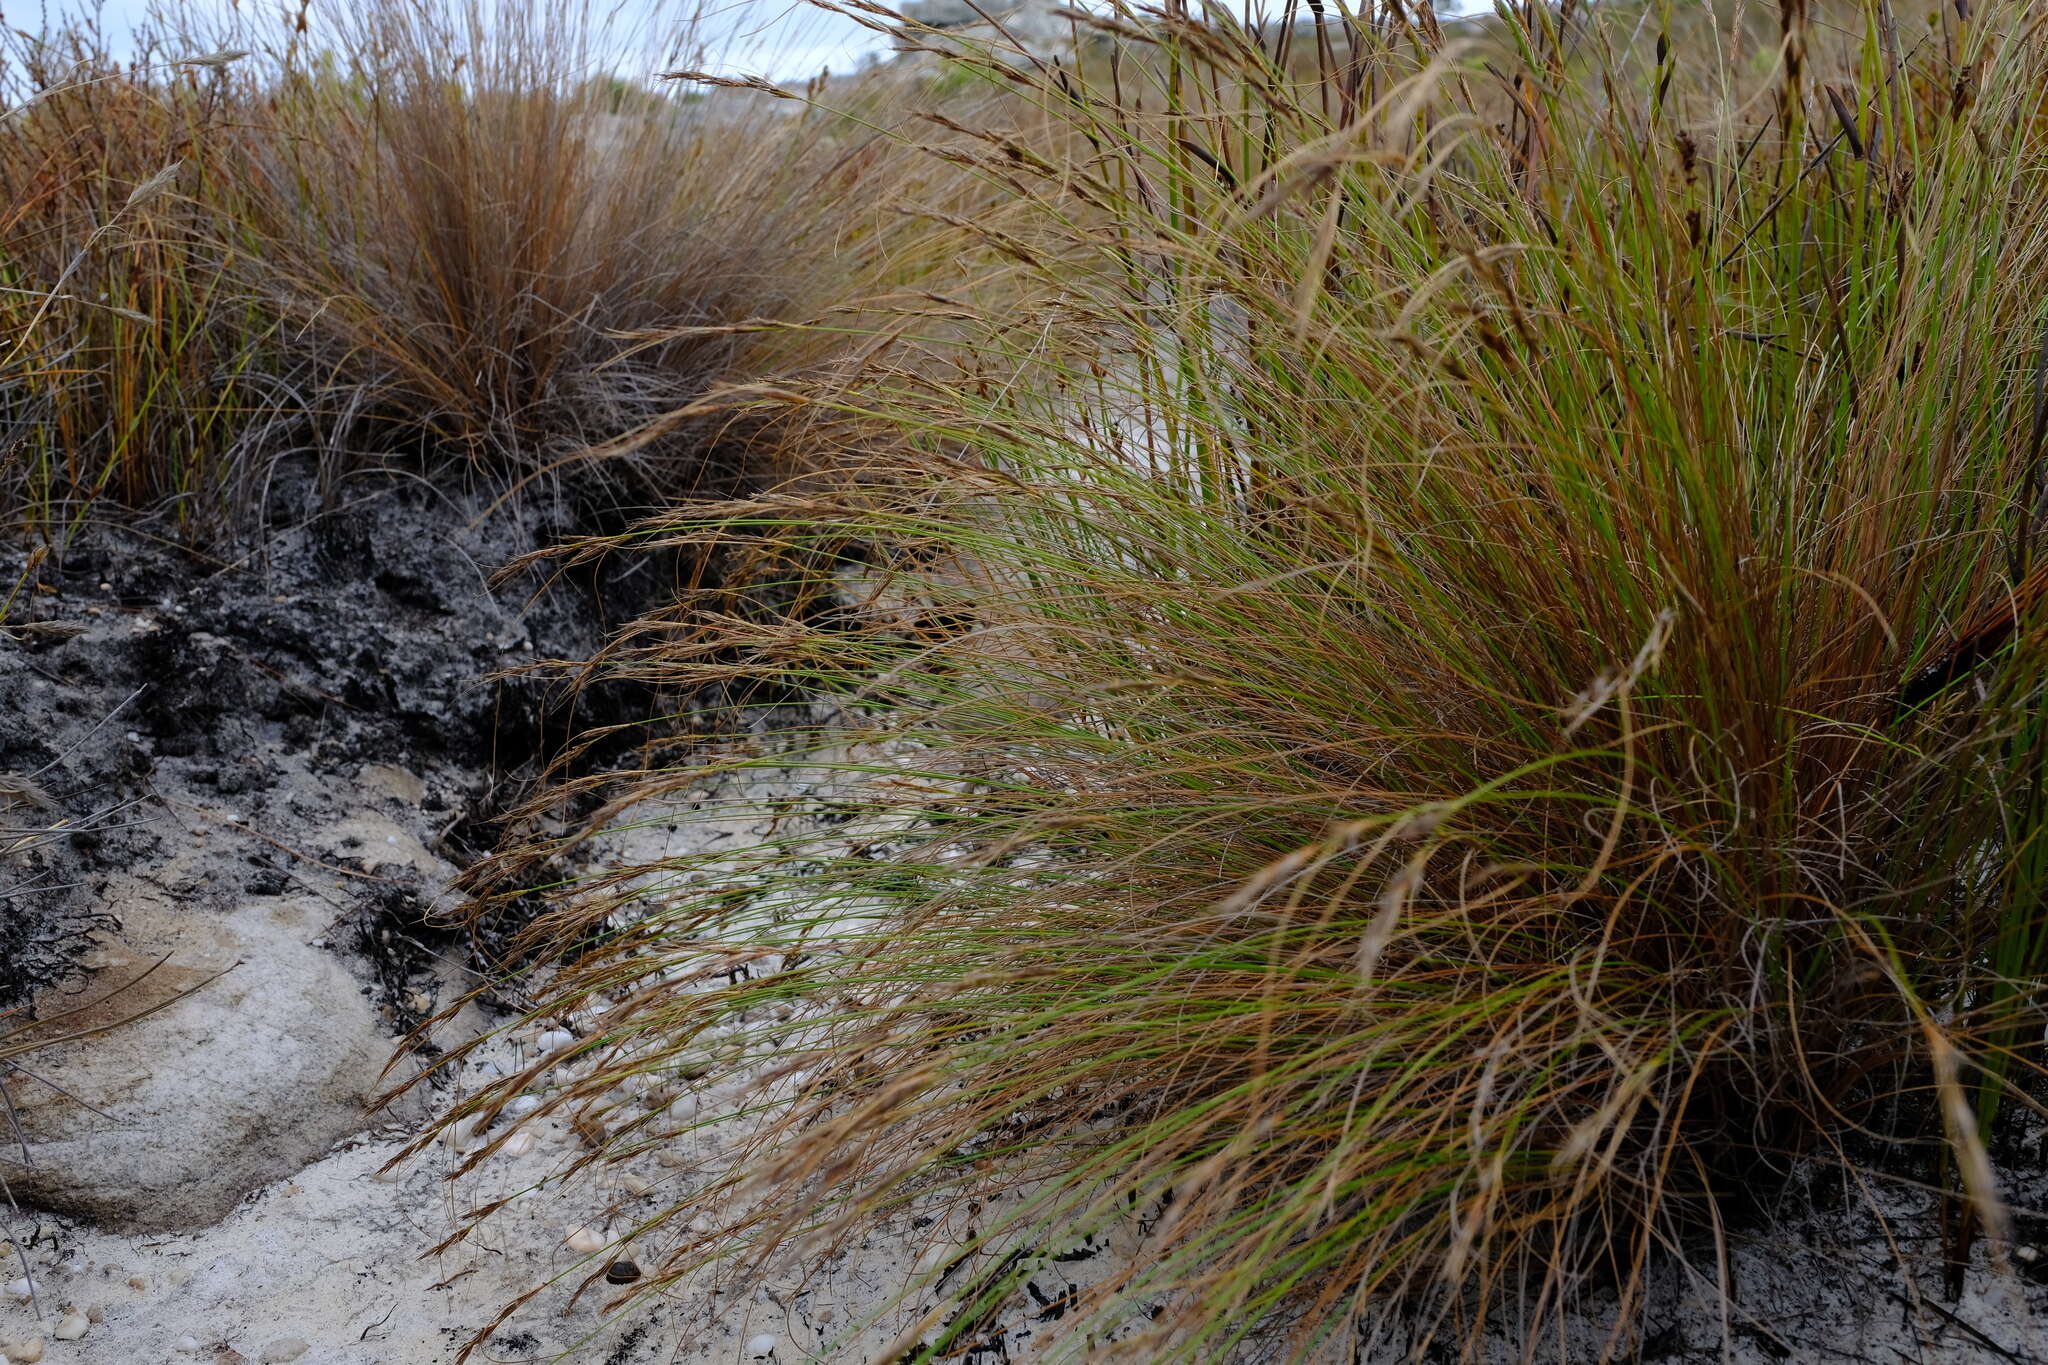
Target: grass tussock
<point>1450,678</point>
<point>462,235</point>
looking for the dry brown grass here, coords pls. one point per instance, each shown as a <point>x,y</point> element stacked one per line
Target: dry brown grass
<point>495,265</point>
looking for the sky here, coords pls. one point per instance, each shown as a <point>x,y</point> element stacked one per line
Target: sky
<point>781,39</point>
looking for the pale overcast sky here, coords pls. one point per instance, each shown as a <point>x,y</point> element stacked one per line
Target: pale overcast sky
<point>782,39</point>
<point>779,38</point>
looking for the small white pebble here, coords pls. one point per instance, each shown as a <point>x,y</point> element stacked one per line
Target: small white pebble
<point>26,1352</point>
<point>635,1184</point>
<point>19,1289</point>
<point>71,1326</point>
<point>555,1039</point>
<point>137,1282</point>
<point>282,1350</point>
<point>186,1346</point>
<point>519,1144</point>
<point>522,1106</point>
<point>763,1345</point>
<point>670,1157</point>
<point>585,1241</point>
<point>95,1312</point>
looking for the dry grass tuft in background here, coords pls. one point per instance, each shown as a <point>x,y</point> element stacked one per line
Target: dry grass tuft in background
<point>451,235</point>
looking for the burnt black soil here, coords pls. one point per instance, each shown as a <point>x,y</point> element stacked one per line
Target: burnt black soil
<point>208,716</point>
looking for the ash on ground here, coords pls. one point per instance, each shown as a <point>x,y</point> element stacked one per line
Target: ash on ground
<point>284,751</point>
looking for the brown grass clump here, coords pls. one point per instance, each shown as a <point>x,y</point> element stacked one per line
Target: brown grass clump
<point>462,234</point>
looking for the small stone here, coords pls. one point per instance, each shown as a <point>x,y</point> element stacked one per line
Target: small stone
<point>584,1241</point>
<point>20,1289</point>
<point>523,1106</point>
<point>24,1352</point>
<point>137,1282</point>
<point>635,1185</point>
<point>186,1346</point>
<point>671,1158</point>
<point>282,1350</point>
<point>95,1312</point>
<point>71,1326</point>
<point>763,1345</point>
<point>827,1314</point>
<point>519,1144</point>
<point>621,1271</point>
<point>554,1040</point>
